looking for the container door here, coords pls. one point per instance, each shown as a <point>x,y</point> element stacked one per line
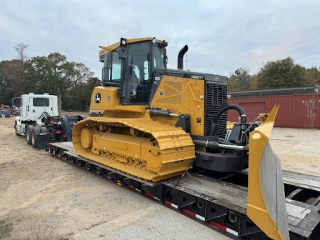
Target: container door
<point>253,109</point>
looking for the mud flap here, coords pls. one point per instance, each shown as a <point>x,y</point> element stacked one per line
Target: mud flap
<point>42,140</point>
<point>266,205</point>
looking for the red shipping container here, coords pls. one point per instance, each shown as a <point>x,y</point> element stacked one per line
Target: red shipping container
<point>296,111</point>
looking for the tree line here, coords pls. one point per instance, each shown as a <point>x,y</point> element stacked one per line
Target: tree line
<point>284,73</point>
<point>51,74</point>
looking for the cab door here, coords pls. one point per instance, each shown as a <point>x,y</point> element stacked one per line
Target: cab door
<point>137,75</point>
<point>24,107</point>
<point>30,109</point>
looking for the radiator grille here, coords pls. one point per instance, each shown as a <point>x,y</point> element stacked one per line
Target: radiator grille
<point>216,99</point>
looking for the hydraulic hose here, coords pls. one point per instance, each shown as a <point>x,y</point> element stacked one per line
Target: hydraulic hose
<point>235,107</point>
<point>239,109</point>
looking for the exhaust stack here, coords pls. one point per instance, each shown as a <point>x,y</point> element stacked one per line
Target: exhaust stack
<point>180,57</point>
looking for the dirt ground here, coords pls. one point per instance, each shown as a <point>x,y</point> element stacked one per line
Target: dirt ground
<point>44,198</point>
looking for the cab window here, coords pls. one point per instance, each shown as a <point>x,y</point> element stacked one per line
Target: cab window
<point>111,72</point>
<point>40,102</point>
<point>137,73</point>
<point>146,70</point>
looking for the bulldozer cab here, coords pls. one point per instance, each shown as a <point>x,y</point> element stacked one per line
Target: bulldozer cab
<point>129,65</point>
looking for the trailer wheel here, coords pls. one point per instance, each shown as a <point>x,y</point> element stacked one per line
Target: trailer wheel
<point>34,133</point>
<point>29,129</point>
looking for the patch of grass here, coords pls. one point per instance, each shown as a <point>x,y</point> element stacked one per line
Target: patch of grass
<point>5,229</point>
<point>63,238</point>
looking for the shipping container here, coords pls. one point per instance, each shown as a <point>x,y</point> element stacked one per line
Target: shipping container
<point>296,111</point>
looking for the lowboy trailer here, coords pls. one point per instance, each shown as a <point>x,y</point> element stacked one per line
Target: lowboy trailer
<point>217,200</point>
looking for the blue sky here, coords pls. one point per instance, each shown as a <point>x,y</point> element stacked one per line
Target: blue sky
<point>222,35</point>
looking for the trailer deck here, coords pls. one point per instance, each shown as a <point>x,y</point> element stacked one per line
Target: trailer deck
<point>216,199</point>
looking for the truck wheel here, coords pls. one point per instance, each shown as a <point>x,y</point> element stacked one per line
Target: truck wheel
<point>29,129</point>
<point>15,128</point>
<point>34,133</point>
<point>43,130</point>
<point>26,129</point>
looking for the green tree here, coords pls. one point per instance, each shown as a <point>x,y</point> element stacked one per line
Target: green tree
<point>47,74</point>
<point>12,75</point>
<point>233,84</point>
<point>254,82</point>
<point>53,72</point>
<point>82,73</point>
<point>19,74</point>
<point>239,81</point>
<point>313,76</point>
<point>281,74</point>
<point>79,95</point>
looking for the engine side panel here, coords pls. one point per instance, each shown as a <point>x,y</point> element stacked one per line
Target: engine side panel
<point>184,96</point>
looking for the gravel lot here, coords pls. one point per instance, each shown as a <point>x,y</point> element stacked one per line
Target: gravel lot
<point>44,198</point>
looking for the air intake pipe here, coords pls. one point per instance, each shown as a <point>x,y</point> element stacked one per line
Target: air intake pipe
<point>180,57</point>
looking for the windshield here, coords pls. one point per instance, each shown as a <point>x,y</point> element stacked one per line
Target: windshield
<point>111,71</point>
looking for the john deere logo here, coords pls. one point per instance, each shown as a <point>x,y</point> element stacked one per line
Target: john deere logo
<point>98,98</point>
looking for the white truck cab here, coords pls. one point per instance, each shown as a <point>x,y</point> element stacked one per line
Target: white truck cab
<point>32,107</point>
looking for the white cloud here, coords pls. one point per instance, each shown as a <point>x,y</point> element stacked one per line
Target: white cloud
<point>222,35</point>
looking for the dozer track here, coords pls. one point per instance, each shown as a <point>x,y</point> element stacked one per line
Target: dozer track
<point>141,147</point>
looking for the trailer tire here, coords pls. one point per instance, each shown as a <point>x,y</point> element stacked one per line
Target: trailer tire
<point>34,133</point>
<point>29,129</point>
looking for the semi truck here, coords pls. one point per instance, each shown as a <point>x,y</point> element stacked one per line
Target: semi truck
<point>40,122</point>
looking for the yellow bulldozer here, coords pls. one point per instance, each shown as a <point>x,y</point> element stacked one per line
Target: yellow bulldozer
<point>158,123</point>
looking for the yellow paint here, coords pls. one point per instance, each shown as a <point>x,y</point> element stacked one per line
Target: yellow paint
<point>114,46</point>
<point>122,137</point>
<point>181,96</point>
<point>156,151</point>
<point>256,207</point>
<point>110,104</point>
<point>230,125</point>
<point>109,98</point>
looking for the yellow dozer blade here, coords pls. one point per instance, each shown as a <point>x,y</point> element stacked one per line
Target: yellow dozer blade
<point>266,205</point>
